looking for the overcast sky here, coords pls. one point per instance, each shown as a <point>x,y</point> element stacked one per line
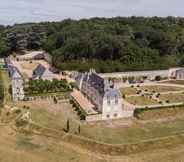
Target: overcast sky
<point>18,11</point>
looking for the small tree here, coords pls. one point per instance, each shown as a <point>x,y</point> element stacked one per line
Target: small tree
<point>68,125</point>
<point>158,78</point>
<point>79,129</point>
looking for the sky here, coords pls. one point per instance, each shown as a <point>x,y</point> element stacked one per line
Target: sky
<point>20,11</point>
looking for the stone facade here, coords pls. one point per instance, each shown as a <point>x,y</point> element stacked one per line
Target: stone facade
<point>106,98</point>
<point>149,75</point>
<point>176,73</point>
<point>17,89</point>
<point>17,81</point>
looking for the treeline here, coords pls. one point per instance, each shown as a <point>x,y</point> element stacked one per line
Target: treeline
<point>115,44</point>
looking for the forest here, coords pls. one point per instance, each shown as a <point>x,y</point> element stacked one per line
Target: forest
<point>105,44</point>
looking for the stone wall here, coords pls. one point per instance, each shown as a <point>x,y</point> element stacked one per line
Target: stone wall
<point>92,118</point>
<point>150,74</point>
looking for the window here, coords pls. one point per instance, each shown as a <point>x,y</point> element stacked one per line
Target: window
<point>115,115</point>
<point>108,100</point>
<point>116,99</point>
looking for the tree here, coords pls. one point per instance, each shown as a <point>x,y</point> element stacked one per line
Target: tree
<point>79,129</point>
<point>68,125</point>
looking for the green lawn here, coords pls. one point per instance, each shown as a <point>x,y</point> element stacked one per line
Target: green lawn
<point>159,88</point>
<point>133,134</point>
<point>141,101</point>
<point>128,91</point>
<point>160,112</point>
<point>172,98</point>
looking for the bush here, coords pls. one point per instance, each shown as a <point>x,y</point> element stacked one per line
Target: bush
<point>158,78</point>
<point>160,102</point>
<point>167,101</point>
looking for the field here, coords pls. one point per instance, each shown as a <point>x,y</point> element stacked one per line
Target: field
<point>49,114</point>
<point>112,132</point>
<point>141,100</point>
<point>27,148</point>
<point>160,88</point>
<point>160,113</point>
<point>180,82</point>
<point>172,98</point>
<point>21,148</point>
<point>128,91</point>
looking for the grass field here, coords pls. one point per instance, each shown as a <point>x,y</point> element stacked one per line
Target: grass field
<point>18,147</point>
<point>141,101</point>
<point>159,88</point>
<point>21,148</point>
<point>160,113</point>
<point>113,132</point>
<point>128,91</point>
<point>172,98</point>
<point>180,82</point>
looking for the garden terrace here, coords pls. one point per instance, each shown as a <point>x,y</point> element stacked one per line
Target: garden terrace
<point>141,100</point>
<point>128,91</point>
<point>161,88</point>
<point>172,97</point>
<point>39,87</point>
<point>159,112</point>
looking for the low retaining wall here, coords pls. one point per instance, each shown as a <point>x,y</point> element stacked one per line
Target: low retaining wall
<point>32,98</point>
<point>92,118</point>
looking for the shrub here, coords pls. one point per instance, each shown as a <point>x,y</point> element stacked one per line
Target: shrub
<point>160,102</point>
<point>167,101</point>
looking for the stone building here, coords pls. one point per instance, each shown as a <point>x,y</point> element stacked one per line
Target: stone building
<point>41,72</point>
<point>17,81</point>
<point>176,73</point>
<point>102,94</point>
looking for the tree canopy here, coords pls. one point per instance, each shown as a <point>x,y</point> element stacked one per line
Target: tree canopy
<point>106,44</point>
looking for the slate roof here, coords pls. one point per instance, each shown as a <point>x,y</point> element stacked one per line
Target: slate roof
<point>14,72</point>
<point>39,56</point>
<point>180,71</point>
<point>39,71</point>
<point>95,81</point>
